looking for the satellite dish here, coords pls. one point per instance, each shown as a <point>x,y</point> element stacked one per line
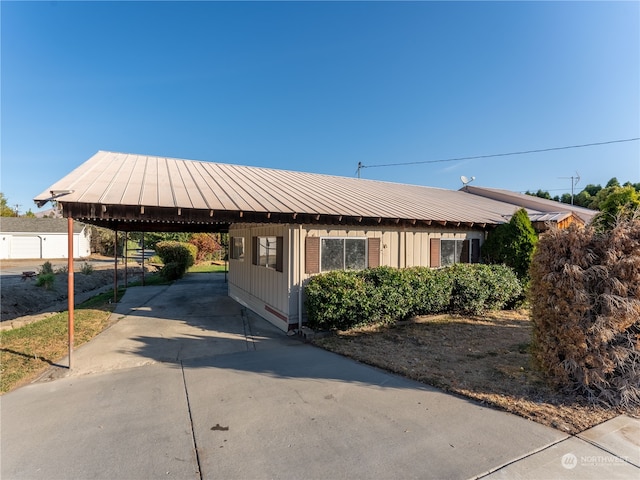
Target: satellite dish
<point>465,181</point>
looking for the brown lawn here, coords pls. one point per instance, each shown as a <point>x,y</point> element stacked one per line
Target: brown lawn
<point>484,358</point>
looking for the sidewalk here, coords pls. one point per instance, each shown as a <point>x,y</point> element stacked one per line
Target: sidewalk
<point>188,384</point>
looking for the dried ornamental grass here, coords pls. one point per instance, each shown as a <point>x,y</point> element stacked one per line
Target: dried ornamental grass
<point>585,307</point>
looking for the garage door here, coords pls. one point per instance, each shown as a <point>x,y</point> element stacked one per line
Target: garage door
<point>25,247</point>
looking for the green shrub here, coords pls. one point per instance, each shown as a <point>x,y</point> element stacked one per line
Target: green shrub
<point>87,268</point>
<point>388,292</point>
<point>431,290</point>
<point>478,288</point>
<point>512,244</point>
<point>344,299</point>
<point>336,300</point>
<point>46,280</point>
<point>173,271</point>
<point>45,268</point>
<point>180,253</point>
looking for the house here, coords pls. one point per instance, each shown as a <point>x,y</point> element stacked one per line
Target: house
<point>36,238</point>
<point>286,226</point>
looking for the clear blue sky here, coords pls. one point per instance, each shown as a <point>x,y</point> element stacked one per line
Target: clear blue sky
<point>319,87</point>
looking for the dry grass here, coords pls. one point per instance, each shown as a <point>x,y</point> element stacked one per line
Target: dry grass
<point>485,358</point>
<point>29,351</point>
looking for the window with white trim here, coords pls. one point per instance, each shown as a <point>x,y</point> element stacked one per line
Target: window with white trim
<point>268,252</point>
<point>338,253</point>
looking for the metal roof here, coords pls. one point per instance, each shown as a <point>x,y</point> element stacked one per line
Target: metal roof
<point>37,225</point>
<point>128,191</point>
<point>532,202</point>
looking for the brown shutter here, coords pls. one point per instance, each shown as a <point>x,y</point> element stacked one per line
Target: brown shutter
<point>464,255</point>
<point>254,250</point>
<point>374,252</point>
<point>434,247</point>
<point>279,251</point>
<point>475,250</point>
<point>312,255</point>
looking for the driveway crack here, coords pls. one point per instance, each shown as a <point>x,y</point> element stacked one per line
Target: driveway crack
<point>193,432</point>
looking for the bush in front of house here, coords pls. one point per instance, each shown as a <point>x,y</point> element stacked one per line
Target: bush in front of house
<point>431,290</point>
<point>344,299</point>
<point>337,300</point>
<point>585,309</point>
<point>177,258</point>
<point>477,288</point>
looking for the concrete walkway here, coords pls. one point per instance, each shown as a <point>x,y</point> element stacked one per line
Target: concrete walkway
<point>190,385</point>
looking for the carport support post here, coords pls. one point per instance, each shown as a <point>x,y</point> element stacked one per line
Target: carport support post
<point>70,298</point>
<point>126,257</point>
<point>115,269</point>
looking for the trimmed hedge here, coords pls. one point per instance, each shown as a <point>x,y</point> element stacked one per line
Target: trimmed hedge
<point>344,299</point>
<point>177,258</point>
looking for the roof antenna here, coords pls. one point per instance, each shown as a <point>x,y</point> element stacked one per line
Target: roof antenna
<point>466,181</point>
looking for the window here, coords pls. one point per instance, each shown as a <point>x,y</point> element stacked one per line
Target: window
<point>237,248</point>
<point>267,252</point>
<point>343,254</point>
<point>453,251</point>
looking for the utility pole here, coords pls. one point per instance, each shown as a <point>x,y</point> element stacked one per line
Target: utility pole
<point>360,166</point>
<point>17,209</point>
<point>574,182</point>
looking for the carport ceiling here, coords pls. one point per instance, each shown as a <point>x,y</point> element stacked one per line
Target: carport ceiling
<point>131,192</point>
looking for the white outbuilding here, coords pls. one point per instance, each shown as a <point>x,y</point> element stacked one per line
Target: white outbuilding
<point>38,238</point>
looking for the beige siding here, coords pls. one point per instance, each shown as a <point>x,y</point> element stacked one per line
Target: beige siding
<point>275,295</point>
<point>264,290</point>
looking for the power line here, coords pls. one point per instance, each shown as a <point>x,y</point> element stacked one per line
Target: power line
<point>360,165</point>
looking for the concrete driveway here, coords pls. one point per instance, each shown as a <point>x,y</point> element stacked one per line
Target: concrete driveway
<point>190,385</point>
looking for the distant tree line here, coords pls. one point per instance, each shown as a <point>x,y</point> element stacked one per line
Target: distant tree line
<point>614,200</point>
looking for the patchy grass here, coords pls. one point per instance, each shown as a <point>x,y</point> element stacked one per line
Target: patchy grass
<point>207,268</point>
<point>484,358</point>
<point>28,351</point>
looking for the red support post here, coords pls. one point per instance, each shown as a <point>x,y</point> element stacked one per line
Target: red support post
<point>70,291</point>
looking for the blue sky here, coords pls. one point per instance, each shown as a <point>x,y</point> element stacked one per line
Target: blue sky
<point>319,87</point>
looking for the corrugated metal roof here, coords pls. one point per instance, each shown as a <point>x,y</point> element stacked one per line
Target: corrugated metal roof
<point>530,201</point>
<point>129,180</point>
<point>37,225</point>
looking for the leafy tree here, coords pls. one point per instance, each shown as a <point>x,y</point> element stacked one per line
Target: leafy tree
<point>540,193</point>
<point>620,203</point>
<point>5,209</point>
<point>29,214</point>
<point>207,245</point>
<point>512,244</point>
<point>613,183</point>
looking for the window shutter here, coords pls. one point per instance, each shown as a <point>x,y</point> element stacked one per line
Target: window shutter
<point>373,259</point>
<point>312,255</point>
<point>475,250</point>
<point>464,255</point>
<point>434,247</point>
<point>279,253</point>
<point>254,250</point>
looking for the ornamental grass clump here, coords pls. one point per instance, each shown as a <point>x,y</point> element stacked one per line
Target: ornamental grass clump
<point>585,308</point>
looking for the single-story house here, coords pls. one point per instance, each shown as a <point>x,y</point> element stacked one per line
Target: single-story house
<point>286,226</point>
<point>36,238</point>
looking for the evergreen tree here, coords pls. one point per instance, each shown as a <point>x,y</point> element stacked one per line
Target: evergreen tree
<point>512,244</point>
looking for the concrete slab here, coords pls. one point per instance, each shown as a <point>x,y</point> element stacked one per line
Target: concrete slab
<point>258,404</point>
<point>129,424</point>
<point>301,412</point>
<point>620,435</point>
<point>571,459</point>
